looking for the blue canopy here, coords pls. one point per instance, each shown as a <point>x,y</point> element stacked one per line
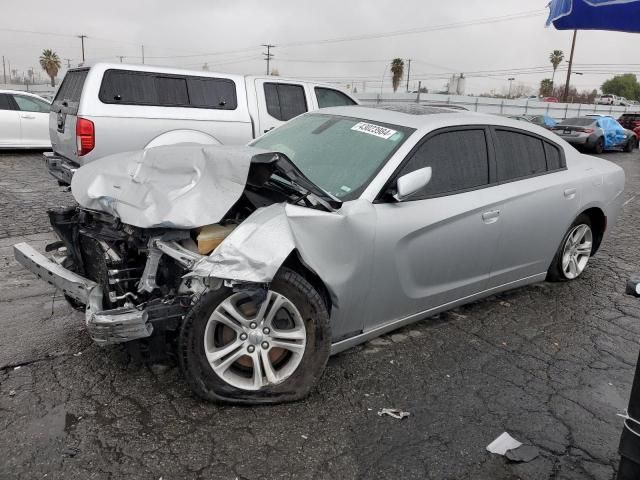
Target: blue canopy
<point>618,15</point>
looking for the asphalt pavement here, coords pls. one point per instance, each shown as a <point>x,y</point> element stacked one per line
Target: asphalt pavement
<point>551,364</point>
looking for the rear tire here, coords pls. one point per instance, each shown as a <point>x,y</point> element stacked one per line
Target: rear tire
<point>207,334</point>
<point>599,146</point>
<point>574,251</point>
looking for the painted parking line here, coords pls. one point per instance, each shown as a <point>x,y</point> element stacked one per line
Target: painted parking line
<point>629,201</point>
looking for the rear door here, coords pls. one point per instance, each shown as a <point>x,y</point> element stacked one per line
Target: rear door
<point>64,112</point>
<point>34,120</point>
<point>9,122</point>
<point>540,200</point>
<point>279,102</point>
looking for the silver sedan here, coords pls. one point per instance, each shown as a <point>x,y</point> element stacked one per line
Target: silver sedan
<point>335,228</point>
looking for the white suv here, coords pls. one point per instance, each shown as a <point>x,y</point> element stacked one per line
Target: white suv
<point>111,108</point>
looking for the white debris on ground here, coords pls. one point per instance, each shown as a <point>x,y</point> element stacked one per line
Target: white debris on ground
<point>393,412</point>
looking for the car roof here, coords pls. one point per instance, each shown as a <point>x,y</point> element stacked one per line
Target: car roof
<point>22,92</point>
<point>432,119</point>
<point>100,67</point>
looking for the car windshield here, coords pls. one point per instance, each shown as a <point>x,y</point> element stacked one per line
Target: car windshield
<point>339,154</point>
<point>578,122</point>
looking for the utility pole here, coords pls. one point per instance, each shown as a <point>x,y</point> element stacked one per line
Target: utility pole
<point>143,54</point>
<point>510,83</point>
<point>82,37</point>
<point>121,57</point>
<point>566,85</point>
<point>4,72</point>
<point>68,63</point>
<point>408,72</point>
<point>268,55</point>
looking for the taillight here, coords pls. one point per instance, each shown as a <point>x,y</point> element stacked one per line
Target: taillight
<point>635,124</point>
<point>586,130</point>
<point>85,136</point>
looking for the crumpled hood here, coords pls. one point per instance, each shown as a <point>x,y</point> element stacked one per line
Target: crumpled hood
<point>176,186</point>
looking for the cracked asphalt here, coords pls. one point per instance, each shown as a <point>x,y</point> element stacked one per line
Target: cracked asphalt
<point>551,364</point>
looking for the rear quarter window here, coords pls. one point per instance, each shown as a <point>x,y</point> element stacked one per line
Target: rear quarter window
<point>328,97</point>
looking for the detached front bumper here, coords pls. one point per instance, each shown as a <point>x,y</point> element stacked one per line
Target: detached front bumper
<point>60,168</point>
<point>105,327</point>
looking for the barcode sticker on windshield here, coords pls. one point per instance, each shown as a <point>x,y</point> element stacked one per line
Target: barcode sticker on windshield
<point>375,130</point>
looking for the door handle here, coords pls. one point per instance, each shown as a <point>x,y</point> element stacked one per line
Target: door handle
<point>30,117</point>
<point>491,216</point>
<point>570,193</point>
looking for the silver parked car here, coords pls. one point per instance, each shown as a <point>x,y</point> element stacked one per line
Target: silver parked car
<point>332,229</point>
<point>596,133</point>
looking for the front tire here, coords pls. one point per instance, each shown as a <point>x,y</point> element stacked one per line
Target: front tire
<point>574,252</point>
<point>234,349</point>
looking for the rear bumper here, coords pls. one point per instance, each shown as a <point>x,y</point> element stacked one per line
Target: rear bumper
<point>62,169</point>
<point>105,327</point>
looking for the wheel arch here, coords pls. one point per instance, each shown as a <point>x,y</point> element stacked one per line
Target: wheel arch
<point>173,137</point>
<point>295,262</point>
<point>598,225</point>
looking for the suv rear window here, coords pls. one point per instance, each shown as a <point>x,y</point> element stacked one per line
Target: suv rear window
<point>71,87</point>
<point>126,87</point>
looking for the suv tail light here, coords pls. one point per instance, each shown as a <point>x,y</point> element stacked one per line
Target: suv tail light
<point>85,136</point>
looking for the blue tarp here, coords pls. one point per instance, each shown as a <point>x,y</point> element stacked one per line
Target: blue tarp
<point>617,15</point>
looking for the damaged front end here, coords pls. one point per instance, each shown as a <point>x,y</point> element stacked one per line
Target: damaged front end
<point>134,254</point>
<point>115,273</point>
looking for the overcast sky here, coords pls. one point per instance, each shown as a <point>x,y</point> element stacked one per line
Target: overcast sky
<point>227,35</point>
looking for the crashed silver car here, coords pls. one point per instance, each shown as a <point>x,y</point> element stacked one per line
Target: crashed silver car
<point>335,228</point>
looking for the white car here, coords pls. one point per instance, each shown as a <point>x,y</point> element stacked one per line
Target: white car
<point>24,120</point>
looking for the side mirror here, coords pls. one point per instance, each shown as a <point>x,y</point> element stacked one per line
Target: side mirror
<point>411,183</point>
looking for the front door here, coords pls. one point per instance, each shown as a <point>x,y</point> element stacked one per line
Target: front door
<point>438,246</point>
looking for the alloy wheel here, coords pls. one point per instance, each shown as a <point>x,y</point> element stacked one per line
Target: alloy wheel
<point>251,346</point>
<point>576,251</point>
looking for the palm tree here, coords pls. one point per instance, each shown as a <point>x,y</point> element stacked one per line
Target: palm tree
<point>397,68</point>
<point>50,63</point>
<point>555,58</point>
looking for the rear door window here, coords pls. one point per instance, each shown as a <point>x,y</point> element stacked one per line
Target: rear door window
<point>155,89</point>
<point>285,101</point>
<point>459,160</point>
<point>328,97</point>
<point>518,155</point>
